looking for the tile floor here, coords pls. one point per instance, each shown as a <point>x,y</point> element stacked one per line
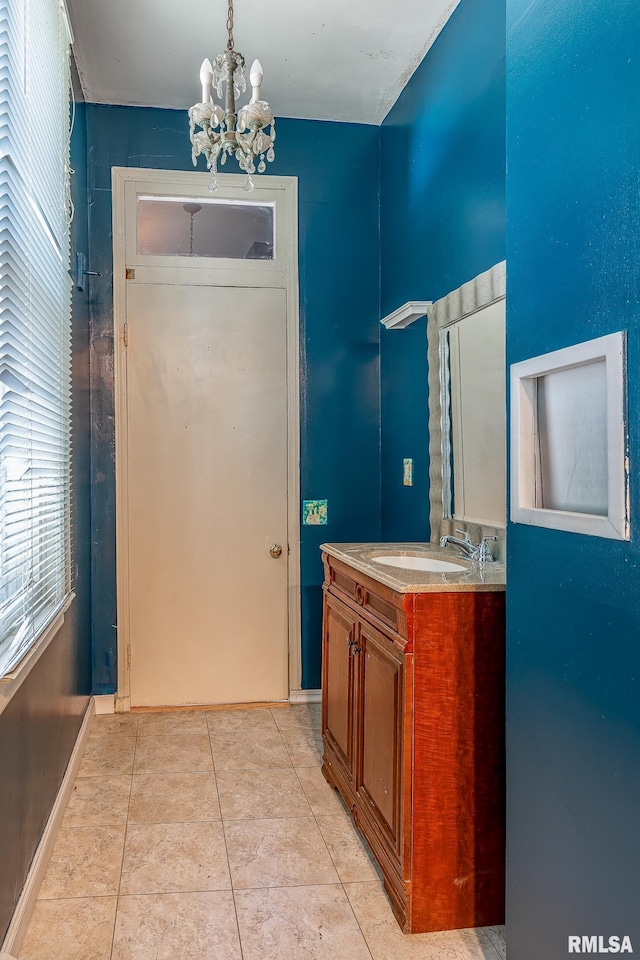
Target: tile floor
<point>214,836</point>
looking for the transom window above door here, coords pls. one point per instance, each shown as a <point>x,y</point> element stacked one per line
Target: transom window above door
<point>172,226</point>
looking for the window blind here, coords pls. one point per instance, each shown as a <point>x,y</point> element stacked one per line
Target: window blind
<point>35,322</point>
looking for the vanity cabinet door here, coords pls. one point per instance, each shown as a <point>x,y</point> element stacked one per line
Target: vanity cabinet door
<point>340,639</point>
<point>379,735</point>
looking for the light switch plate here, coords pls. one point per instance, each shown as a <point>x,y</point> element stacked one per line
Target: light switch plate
<point>407,472</point>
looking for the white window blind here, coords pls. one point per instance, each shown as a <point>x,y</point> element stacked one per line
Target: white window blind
<point>35,308</point>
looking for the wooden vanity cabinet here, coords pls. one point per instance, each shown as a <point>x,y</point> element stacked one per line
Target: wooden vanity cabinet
<point>339,665</point>
<point>413,731</point>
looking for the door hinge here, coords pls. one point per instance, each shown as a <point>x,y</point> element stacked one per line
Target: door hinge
<point>128,656</point>
<point>129,273</point>
<point>125,334</point>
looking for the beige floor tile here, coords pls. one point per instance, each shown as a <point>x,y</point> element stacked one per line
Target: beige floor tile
<point>173,754</point>
<point>99,800</point>
<point>348,851</point>
<point>387,942</point>
<point>174,798</point>
<point>273,793</point>
<point>304,748</point>
<point>108,756</point>
<point>80,929</point>
<point>250,751</point>
<point>277,853</point>
<point>182,723</point>
<point>324,800</point>
<point>174,858</point>
<point>183,926</point>
<point>307,716</point>
<point>299,923</point>
<point>241,721</point>
<point>125,724</point>
<point>85,862</point>
<point>497,937</point>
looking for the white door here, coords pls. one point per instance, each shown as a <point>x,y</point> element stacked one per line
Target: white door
<point>207,493</point>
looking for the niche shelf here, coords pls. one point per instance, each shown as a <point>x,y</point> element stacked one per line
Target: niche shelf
<point>569,467</point>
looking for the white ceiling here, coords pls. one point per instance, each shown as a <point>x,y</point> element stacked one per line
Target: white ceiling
<point>323,59</point>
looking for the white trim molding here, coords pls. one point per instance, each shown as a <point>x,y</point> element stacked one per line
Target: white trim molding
<point>67,20</point>
<point>406,314</point>
<point>525,440</point>
<point>305,696</point>
<point>105,703</point>
<point>25,906</point>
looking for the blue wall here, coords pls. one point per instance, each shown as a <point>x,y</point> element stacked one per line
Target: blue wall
<point>442,223</point>
<point>338,170</point>
<point>573,624</point>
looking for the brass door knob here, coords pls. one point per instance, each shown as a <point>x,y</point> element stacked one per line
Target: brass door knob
<point>275,550</point>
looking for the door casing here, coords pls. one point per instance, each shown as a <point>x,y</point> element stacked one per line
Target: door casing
<point>196,184</point>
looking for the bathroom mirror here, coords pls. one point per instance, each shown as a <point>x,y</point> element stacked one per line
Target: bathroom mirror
<point>467,409</point>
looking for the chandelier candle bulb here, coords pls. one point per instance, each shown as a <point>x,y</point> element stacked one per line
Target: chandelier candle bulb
<point>206,79</point>
<point>256,77</point>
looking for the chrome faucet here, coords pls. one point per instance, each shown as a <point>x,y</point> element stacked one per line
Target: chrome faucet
<point>475,551</point>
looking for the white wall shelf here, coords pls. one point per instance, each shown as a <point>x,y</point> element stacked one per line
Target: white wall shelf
<point>406,314</point>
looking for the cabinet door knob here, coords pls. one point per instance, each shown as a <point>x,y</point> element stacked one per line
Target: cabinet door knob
<point>275,550</point>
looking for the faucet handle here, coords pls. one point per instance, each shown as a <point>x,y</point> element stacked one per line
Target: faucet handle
<point>466,536</point>
<point>484,550</point>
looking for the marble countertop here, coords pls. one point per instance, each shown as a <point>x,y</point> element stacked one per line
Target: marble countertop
<point>475,578</point>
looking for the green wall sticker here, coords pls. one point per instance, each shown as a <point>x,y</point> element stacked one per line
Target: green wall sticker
<point>314,512</point>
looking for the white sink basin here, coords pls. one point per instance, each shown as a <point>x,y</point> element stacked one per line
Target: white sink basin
<point>427,564</point>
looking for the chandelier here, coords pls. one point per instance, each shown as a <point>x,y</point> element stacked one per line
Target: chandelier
<point>224,132</point>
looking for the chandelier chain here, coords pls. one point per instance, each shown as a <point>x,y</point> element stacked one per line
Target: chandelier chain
<point>230,25</point>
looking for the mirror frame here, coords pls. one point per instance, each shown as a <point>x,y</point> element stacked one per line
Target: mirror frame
<point>485,289</point>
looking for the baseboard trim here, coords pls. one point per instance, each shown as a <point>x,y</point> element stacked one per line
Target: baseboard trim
<point>305,696</point>
<point>105,703</point>
<point>211,707</point>
<point>122,704</point>
<point>25,906</point>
